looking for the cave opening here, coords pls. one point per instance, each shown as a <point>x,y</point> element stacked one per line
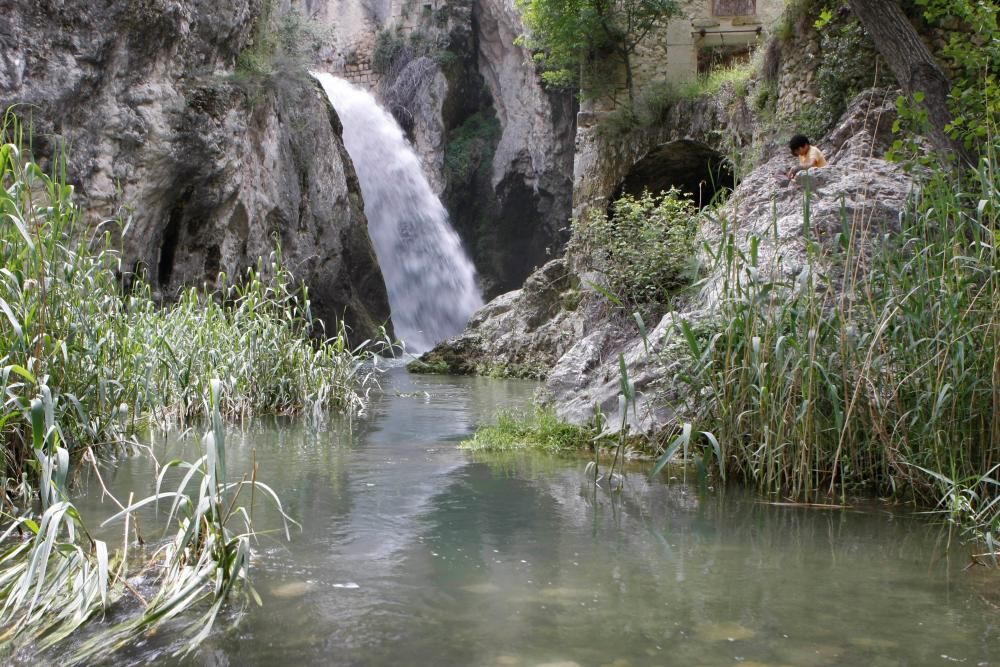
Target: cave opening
<point>171,237</point>
<point>691,166</point>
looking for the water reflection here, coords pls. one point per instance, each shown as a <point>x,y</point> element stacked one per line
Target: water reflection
<point>416,554</point>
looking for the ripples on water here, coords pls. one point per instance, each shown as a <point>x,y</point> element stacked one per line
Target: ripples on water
<point>416,554</point>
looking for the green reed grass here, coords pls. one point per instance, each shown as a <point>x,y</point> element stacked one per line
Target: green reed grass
<point>85,364</point>
<point>877,369</point>
<point>115,360</point>
<point>539,429</point>
<point>60,578</point>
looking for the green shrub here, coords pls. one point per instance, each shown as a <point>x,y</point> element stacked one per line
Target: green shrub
<point>644,248</point>
<point>389,45</point>
<point>471,146</point>
<point>972,52</point>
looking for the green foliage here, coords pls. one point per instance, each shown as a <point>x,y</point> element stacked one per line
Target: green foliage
<point>653,101</point>
<point>541,429</point>
<point>282,48</point>
<point>912,123</point>
<point>644,248</point>
<point>84,365</point>
<point>972,53</point>
<point>471,146</point>
<point>565,34</point>
<point>59,579</point>
<point>847,65</point>
<point>389,45</point>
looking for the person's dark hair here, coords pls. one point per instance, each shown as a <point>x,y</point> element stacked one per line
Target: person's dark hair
<point>797,142</point>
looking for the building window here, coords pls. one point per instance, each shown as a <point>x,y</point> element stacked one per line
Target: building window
<point>734,7</point>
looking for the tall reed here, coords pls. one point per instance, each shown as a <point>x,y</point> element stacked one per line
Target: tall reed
<point>877,369</point>
<point>114,360</point>
<point>60,578</point>
<point>85,364</point>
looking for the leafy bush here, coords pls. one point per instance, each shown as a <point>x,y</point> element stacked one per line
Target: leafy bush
<point>388,47</point>
<point>279,55</point>
<point>644,248</point>
<point>972,53</point>
<point>471,145</point>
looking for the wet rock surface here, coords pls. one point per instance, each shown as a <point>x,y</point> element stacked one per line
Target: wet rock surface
<point>497,146</point>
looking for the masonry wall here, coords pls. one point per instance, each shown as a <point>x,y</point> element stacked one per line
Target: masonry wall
<point>671,54</point>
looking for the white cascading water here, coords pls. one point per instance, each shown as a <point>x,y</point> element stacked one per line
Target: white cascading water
<point>430,280</point>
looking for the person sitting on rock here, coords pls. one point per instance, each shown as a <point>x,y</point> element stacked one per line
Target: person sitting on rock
<point>809,156</point>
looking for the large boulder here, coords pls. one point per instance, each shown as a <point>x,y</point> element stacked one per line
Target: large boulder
<point>518,334</point>
<point>212,164</point>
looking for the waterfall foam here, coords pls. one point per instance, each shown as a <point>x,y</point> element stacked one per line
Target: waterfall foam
<point>429,278</point>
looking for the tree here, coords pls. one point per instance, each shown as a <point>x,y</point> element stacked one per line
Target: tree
<point>912,63</point>
<point>565,34</point>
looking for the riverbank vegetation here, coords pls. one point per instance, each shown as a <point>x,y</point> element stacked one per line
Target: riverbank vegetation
<point>876,368</point>
<point>87,365</point>
<point>539,429</point>
<point>878,372</point>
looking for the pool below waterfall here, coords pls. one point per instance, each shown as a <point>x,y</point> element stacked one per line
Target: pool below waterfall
<point>414,552</point>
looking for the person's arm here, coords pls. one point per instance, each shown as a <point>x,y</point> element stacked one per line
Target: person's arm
<point>794,171</point>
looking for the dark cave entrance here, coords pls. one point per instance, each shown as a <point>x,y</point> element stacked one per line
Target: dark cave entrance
<point>690,166</point>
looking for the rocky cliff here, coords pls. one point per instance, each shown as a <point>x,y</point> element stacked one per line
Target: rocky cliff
<point>560,328</point>
<point>498,147</point>
<point>211,163</point>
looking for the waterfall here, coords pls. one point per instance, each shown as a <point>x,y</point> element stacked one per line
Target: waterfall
<point>430,280</point>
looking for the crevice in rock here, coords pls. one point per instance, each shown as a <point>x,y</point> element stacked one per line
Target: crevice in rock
<point>171,236</point>
<point>690,166</point>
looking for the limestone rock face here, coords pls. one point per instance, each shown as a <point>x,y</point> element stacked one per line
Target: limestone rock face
<point>497,147</point>
<point>585,342</point>
<point>720,123</point>
<point>519,334</point>
<point>860,194</point>
<point>210,167</point>
<point>538,128</point>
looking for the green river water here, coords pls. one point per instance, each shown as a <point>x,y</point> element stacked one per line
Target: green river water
<point>416,553</point>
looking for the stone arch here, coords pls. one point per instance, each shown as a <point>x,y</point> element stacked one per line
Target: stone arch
<point>688,165</point>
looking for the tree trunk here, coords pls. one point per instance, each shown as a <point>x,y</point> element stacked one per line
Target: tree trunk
<point>911,62</point>
<point>629,82</point>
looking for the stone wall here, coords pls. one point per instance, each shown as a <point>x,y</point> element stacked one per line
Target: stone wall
<point>672,53</point>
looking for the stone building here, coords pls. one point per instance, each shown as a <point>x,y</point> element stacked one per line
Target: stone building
<point>713,33</point>
<point>708,35</point>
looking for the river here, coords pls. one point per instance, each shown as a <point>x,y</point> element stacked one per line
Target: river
<point>414,552</point>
